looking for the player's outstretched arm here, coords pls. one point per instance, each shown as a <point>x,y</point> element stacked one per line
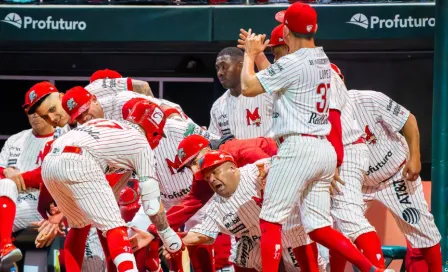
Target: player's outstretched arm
<point>250,85</point>
<point>141,87</point>
<point>194,239</point>
<point>412,135</point>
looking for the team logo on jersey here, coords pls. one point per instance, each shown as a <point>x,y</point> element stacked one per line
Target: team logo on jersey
<point>71,104</point>
<point>253,118</point>
<point>40,158</point>
<point>32,96</point>
<point>173,166</point>
<point>370,138</point>
<point>411,215</point>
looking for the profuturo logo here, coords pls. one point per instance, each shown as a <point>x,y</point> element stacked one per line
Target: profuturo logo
<point>359,20</point>
<point>363,21</point>
<point>49,24</point>
<point>13,19</point>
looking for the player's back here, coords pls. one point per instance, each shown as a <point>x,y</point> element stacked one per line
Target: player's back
<point>381,119</point>
<point>299,83</point>
<point>112,143</point>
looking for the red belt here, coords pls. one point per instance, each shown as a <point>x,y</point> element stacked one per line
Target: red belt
<point>282,139</point>
<point>361,140</point>
<point>72,149</point>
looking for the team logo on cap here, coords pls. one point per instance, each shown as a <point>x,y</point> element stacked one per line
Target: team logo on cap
<point>157,116</point>
<point>71,104</point>
<point>181,154</point>
<point>32,96</point>
<point>309,27</point>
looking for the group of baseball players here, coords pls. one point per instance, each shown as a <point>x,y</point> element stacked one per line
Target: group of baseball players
<point>290,160</point>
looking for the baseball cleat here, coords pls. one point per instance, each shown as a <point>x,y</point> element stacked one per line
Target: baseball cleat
<point>10,254</point>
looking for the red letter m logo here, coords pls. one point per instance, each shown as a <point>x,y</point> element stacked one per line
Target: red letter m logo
<point>253,118</point>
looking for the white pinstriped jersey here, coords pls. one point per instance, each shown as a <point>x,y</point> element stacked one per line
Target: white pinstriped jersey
<point>299,83</point>
<point>238,215</point>
<point>113,104</point>
<point>243,117</point>
<point>24,151</point>
<point>105,87</point>
<point>382,119</point>
<point>174,186</point>
<point>117,146</point>
<point>351,130</point>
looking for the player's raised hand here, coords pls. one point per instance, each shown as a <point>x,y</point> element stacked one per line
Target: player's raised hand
<point>255,44</point>
<point>242,40</point>
<point>140,239</point>
<point>334,189</point>
<point>412,169</point>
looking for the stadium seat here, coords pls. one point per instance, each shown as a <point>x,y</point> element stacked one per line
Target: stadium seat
<point>392,253</point>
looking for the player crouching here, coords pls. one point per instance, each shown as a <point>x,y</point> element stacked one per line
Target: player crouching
<point>235,211</point>
<point>74,173</point>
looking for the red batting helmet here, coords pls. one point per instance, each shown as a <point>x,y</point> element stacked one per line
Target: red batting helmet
<point>211,159</point>
<point>190,147</point>
<point>151,118</point>
<point>106,73</point>
<point>76,101</point>
<point>337,70</point>
<point>36,93</point>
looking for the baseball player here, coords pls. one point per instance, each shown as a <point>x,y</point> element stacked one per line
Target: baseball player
<point>18,203</point>
<point>232,113</point>
<point>174,185</point>
<point>303,169</point>
<point>347,207</point>
<point>74,171</point>
<point>236,208</point>
<point>394,166</point>
<point>44,99</point>
<point>190,151</point>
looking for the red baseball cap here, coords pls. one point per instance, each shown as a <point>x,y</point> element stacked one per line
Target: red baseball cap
<point>337,70</point>
<point>36,93</point>
<point>106,73</point>
<point>211,159</point>
<point>280,16</point>
<point>301,18</point>
<point>189,148</point>
<point>76,101</point>
<point>277,36</point>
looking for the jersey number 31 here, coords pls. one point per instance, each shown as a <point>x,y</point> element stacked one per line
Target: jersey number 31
<point>322,106</point>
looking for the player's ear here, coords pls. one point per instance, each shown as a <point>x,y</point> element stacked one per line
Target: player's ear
<point>317,27</point>
<point>61,95</point>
